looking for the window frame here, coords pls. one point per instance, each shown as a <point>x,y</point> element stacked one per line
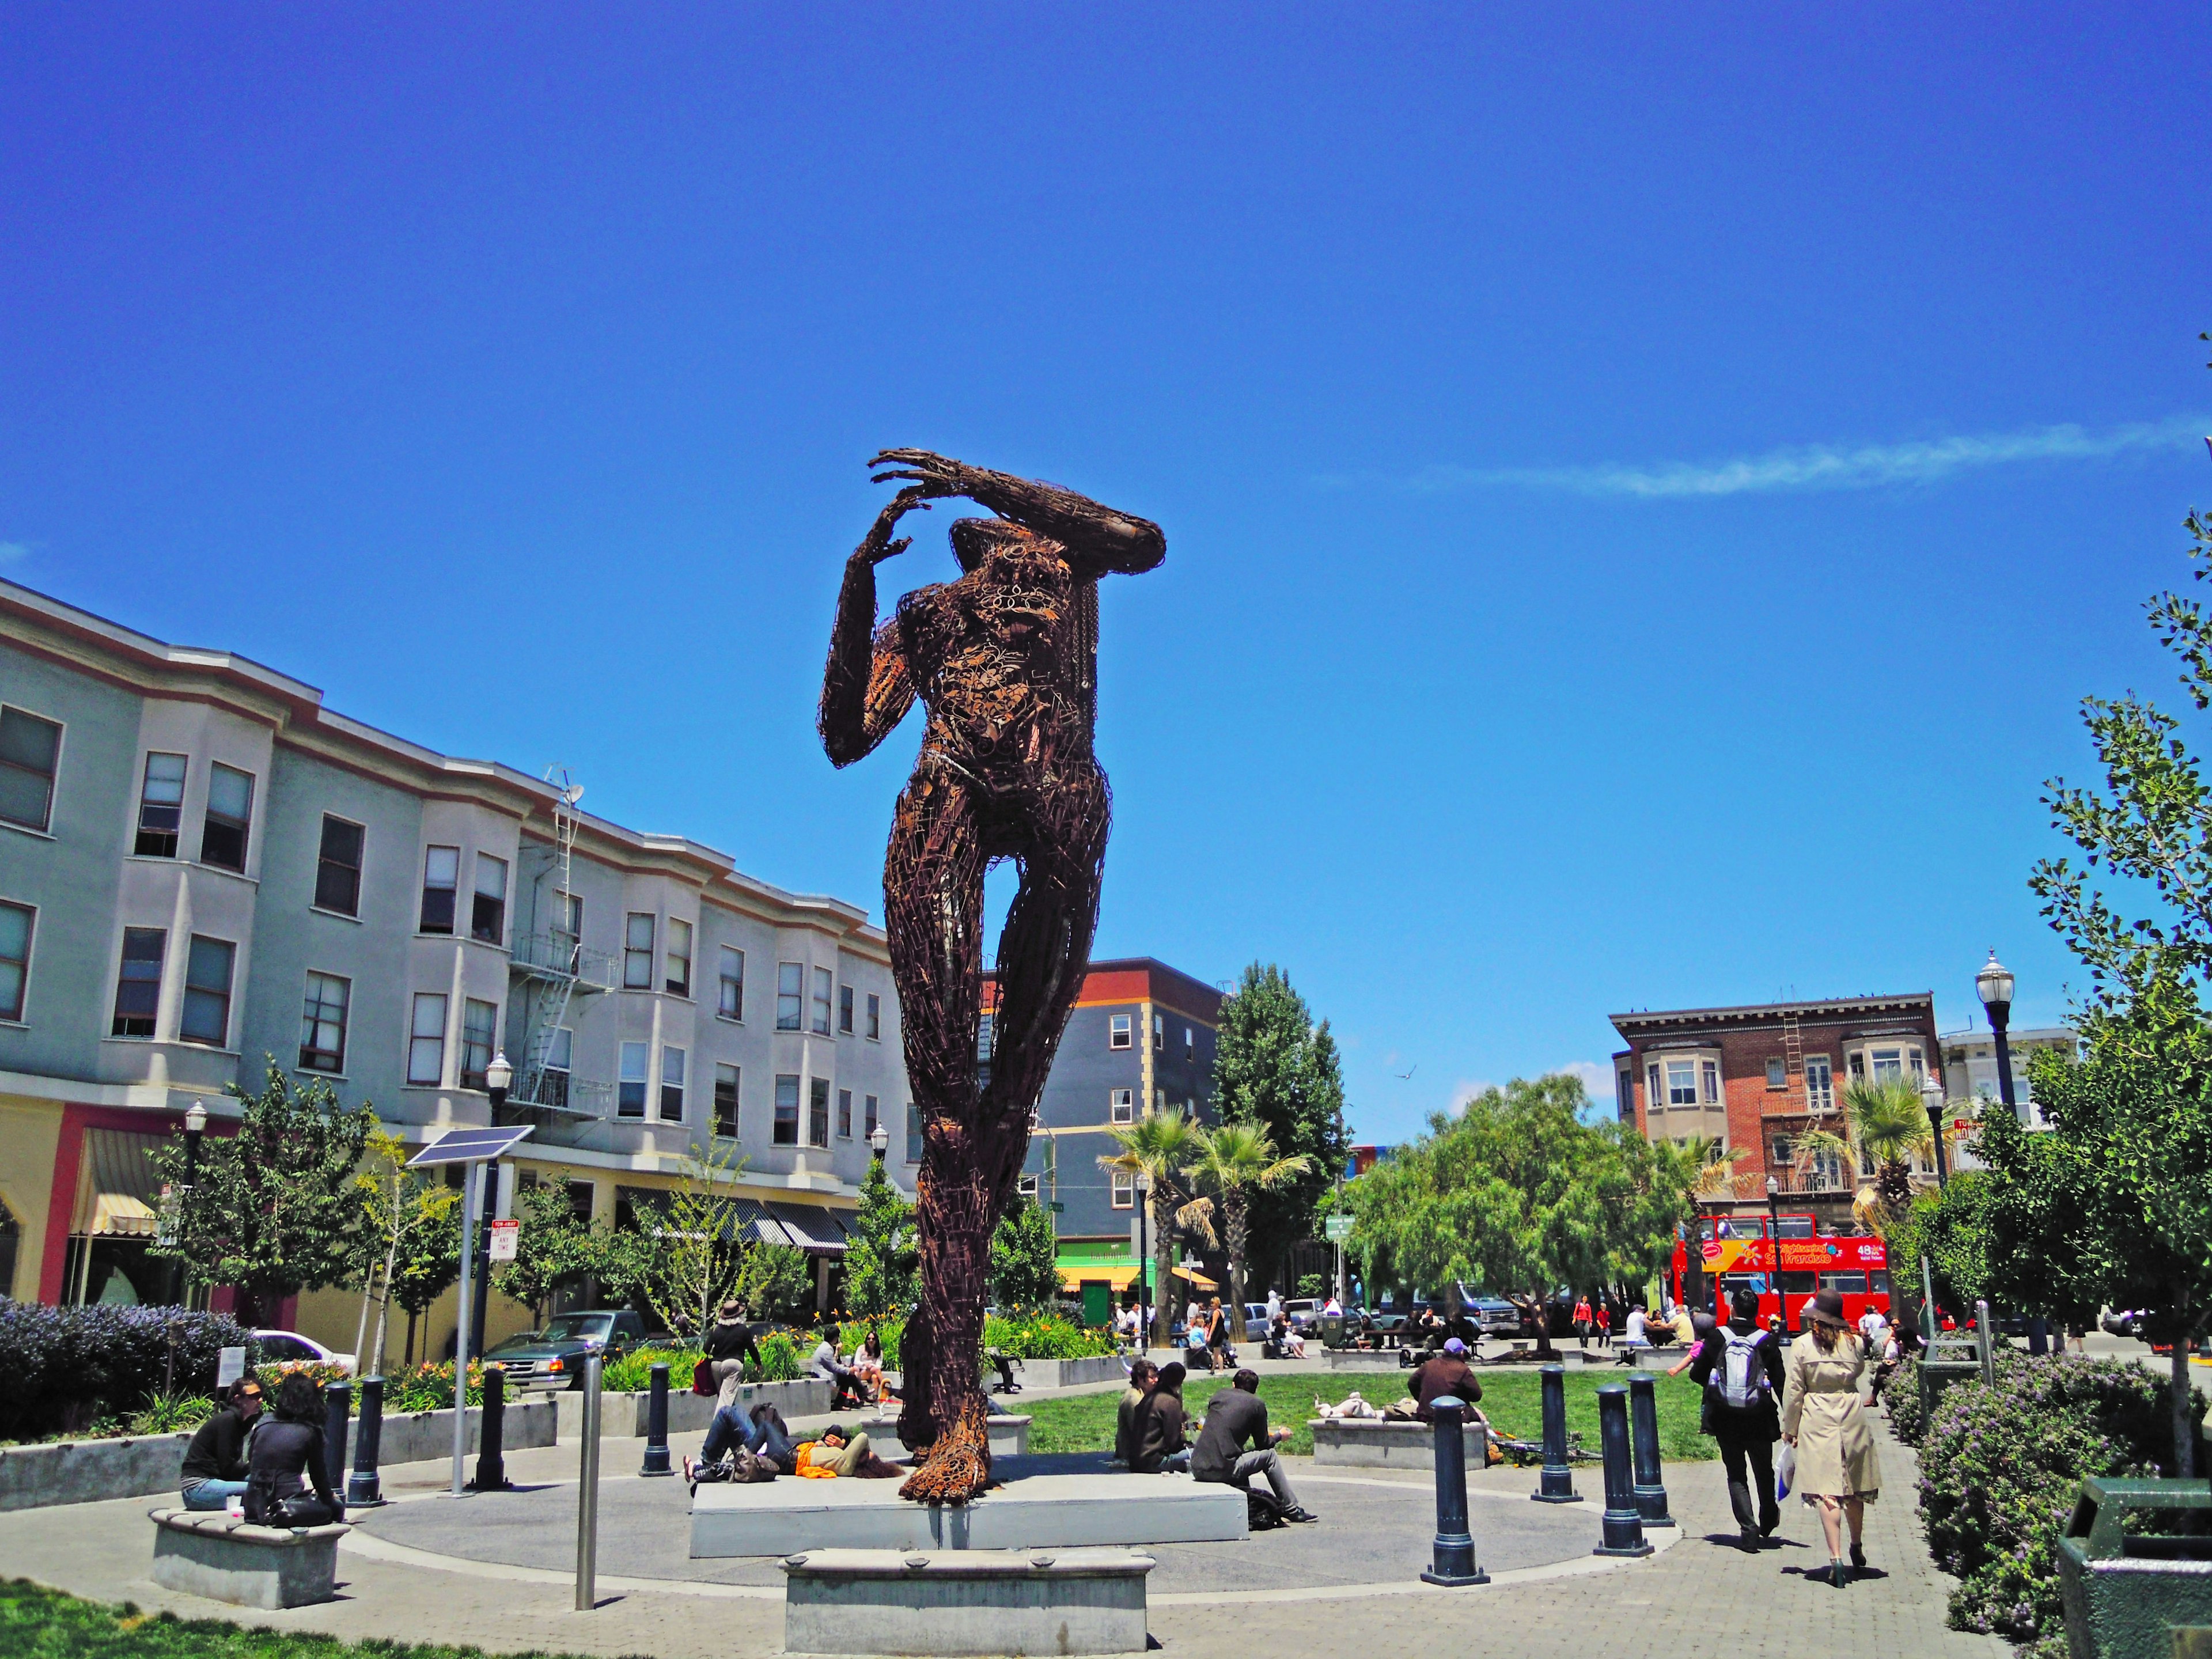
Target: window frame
<point>474,1076</point>
<point>325,864</point>
<point>817,1113</point>
<point>1687,1088</point>
<point>642,1051</point>
<point>1121,1106</point>
<point>733,1077</point>
<point>1160,1034</point>
<point>729,993</point>
<point>1119,1034</point>
<point>784,1126</point>
<point>174,834</point>
<point>1028,1185</point>
<point>451,890</point>
<point>488,911</point>
<point>1121,1191</point>
<point>844,1010</point>
<point>222,996</point>
<point>1778,1072</point>
<point>671,955</point>
<point>46,824</point>
<point>791,1004</point>
<point>1821,1099</point>
<point>21,964</point>
<point>872,1110</point>
<point>638,959</point>
<point>313,1017</point>
<point>416,1037</point>
<point>844,1129</point>
<point>228,823</point>
<point>819,1005</point>
<point>875,1010</point>
<point>672,1051</point>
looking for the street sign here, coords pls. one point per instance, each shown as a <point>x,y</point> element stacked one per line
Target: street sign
<point>504,1236</point>
<point>1336,1228</point>
<point>468,1146</point>
<point>229,1366</point>
<point>1056,1207</point>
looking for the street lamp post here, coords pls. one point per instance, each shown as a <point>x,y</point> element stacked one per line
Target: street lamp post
<point>1144,1189</point>
<point>1774,1248</point>
<point>499,1076</point>
<point>879,1140</point>
<point>1995,984</point>
<point>195,1127</point>
<point>1931,1097</point>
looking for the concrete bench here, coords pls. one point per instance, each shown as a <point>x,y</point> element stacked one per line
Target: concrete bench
<point>965,1601</point>
<point>208,1553</point>
<point>1385,1443</point>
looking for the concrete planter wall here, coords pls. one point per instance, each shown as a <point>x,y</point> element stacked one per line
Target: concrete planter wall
<point>1062,1373</point>
<point>624,1414</point>
<point>92,1471</point>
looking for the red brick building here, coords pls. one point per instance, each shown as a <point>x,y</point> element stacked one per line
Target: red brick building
<point>1757,1077</point>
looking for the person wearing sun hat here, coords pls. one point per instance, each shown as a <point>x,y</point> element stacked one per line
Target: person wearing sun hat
<point>1839,1472</point>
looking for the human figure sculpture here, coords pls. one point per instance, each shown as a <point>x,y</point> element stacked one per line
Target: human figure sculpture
<point>1005,661</point>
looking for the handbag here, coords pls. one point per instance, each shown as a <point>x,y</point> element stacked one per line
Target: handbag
<point>702,1377</point>
<point>1785,1472</point>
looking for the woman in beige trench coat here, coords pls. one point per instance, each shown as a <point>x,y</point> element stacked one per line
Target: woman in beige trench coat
<point>1838,1470</point>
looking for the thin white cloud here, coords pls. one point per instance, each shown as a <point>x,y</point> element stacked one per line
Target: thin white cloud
<point>11,552</point>
<point>1815,466</point>
<point>1595,1078</point>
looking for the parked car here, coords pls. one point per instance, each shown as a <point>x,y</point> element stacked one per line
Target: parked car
<point>554,1358</point>
<point>2123,1321</point>
<point>1304,1313</point>
<point>290,1348</point>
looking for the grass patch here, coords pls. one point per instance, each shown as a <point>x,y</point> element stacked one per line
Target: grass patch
<point>36,1623</point>
<point>1512,1399</point>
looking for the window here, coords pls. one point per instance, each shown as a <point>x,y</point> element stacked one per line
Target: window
<point>845,1009</point>
<point>790,995</point>
<point>1709,1080</point>
<point>818,1111</point>
<point>207,992</point>
<point>29,748</point>
<point>1888,1065</point>
<point>630,1089</point>
<point>844,1113</point>
<point>229,812</point>
<point>161,806</point>
<point>671,1085</point>
<point>1117,1031</point>
<point>1820,1083</point>
<point>637,951</point>
<point>732,1003</point>
<point>1624,1089</point>
<point>1681,1082</point>
<point>14,957</point>
<point>426,1039</point>
<point>985,1038</point>
<point>1782,1151</point>
<point>488,916</point>
<point>726,1101</point>
<point>1125,1190</point>
<point>1777,1073</point>
<point>441,874</point>
<point>323,1024</point>
<point>1027,1186</point>
<point>553,1089</point>
<point>787,1110</point>
<point>1160,1033</point>
<point>875,1018</point>
<point>1652,1091</point>
<point>868,1122</point>
<point>821,1002</point>
<point>479,1036</point>
<point>1122,1105</point>
<point>914,1134</point>
<point>337,867</point>
<point>678,982</point>
<point>1855,1061</point>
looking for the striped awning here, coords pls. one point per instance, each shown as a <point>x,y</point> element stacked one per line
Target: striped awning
<point>117,1194</point>
<point>814,1228</point>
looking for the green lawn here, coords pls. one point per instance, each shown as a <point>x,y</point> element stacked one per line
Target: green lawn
<point>42,1623</point>
<point>1512,1399</point>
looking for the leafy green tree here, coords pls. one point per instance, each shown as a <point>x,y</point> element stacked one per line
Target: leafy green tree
<point>1276,1068</point>
<point>882,1273</point>
<point>403,1212</point>
<point>1884,1126</point>
<point>776,1282</point>
<point>1237,1163</point>
<point>681,1258</point>
<point>551,1244</point>
<point>1157,1149</point>
<point>1024,1257</point>
<point>275,1210</point>
<point>1948,1227</point>
<point>425,1267</point>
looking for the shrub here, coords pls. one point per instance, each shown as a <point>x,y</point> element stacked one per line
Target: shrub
<point>782,1358</point>
<point>633,1372</point>
<point>430,1389</point>
<point>1043,1336</point>
<point>1999,1465</point>
<point>1901,1398</point>
<point>64,1367</point>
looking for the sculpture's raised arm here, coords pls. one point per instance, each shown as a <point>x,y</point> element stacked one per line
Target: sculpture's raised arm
<point>865,686</point>
<point>1099,536</point>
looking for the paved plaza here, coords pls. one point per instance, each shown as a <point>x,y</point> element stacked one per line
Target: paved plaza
<point>496,1570</point>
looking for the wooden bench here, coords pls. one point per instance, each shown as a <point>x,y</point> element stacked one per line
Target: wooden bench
<point>211,1553</point>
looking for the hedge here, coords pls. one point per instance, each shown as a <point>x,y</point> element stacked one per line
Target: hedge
<point>65,1369</point>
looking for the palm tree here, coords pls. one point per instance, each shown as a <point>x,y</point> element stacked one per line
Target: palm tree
<point>1156,1150</point>
<point>1885,1127</point>
<point>1237,1160</point>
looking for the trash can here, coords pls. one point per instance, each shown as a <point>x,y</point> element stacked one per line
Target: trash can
<point>2134,1563</point>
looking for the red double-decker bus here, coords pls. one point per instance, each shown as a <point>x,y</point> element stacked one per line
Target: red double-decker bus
<point>1734,1253</point>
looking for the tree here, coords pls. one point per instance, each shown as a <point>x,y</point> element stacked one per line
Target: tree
<point>1235,1163</point>
<point>275,1209</point>
<point>682,1259</point>
<point>404,1213</point>
<point>882,1263</point>
<point>551,1244</point>
<point>1024,1255</point>
<point>425,1269</point>
<point>1275,1068</point>
<point>1518,1193</point>
<point>775,1282</point>
<point>1884,1126</point>
<point>1156,1150</point>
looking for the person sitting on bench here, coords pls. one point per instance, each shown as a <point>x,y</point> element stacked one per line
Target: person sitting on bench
<point>1159,1425</point>
<point>215,1463</point>
<point>1234,1417</point>
<point>287,1458</point>
<point>1446,1373</point>
<point>845,1386</point>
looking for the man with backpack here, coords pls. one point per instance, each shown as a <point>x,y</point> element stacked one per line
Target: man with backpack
<point>1739,1366</point>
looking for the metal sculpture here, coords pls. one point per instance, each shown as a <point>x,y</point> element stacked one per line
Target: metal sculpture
<point>1005,660</point>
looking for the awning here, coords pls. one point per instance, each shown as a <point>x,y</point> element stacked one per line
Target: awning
<point>1198,1279</point>
<point>118,1191</point>
<point>814,1228</point>
<point>1074,1275</point>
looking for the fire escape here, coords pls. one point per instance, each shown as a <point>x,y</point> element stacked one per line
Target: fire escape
<point>554,974</point>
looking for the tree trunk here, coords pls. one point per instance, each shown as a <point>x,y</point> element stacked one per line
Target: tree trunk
<point>2185,1395</point>
<point>967,1174</point>
<point>1544,1349</point>
<point>1163,1266</point>
<point>1238,1227</point>
<point>409,1361</point>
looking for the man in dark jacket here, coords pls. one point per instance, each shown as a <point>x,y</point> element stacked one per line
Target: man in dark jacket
<point>1234,1417</point>
<point>1739,1366</point>
<point>215,1463</point>
<point>1159,1425</point>
<point>1447,1373</point>
<point>728,1346</point>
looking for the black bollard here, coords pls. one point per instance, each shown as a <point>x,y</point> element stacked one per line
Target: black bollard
<point>1556,1484</point>
<point>337,1400</point>
<point>491,1430</point>
<point>361,1489</point>
<point>1621,1526</point>
<point>1453,1562</point>
<point>1644,1443</point>
<point>656,1426</point>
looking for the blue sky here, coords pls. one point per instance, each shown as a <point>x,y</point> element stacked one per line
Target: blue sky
<point>1644,490</point>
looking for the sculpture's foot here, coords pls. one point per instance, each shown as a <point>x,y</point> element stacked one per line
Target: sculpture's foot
<point>956,1469</point>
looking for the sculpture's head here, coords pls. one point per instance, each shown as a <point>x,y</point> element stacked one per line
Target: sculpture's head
<point>974,540</point>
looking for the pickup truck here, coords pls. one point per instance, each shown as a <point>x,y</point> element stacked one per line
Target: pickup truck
<point>554,1358</point>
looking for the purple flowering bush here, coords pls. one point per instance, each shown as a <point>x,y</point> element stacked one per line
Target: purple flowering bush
<point>64,1368</point>
<point>2000,1465</point>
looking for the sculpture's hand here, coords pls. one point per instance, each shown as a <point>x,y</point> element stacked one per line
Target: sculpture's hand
<point>879,546</point>
<point>933,475</point>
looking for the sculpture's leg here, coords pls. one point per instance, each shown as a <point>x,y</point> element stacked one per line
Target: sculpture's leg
<point>932,911</point>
